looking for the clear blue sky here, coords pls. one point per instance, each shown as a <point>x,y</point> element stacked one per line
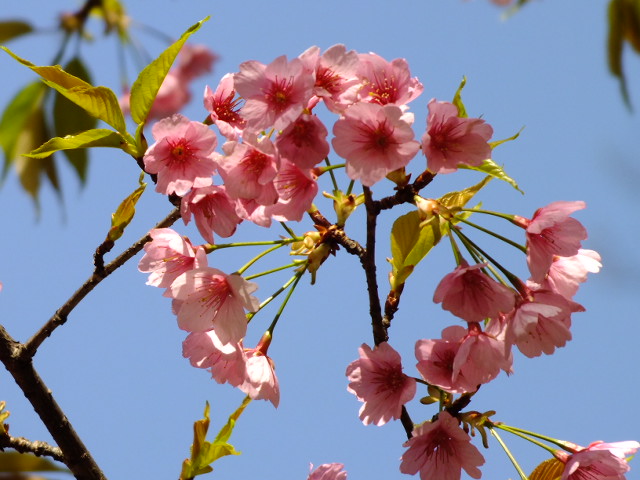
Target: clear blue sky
<point>116,366</point>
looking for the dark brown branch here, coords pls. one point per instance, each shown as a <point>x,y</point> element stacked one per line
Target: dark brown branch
<point>75,453</point>
<point>369,264</point>
<point>60,317</point>
<point>38,448</point>
<point>406,193</point>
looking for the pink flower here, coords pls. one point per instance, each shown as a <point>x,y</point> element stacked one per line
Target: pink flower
<point>551,232</point>
<point>451,140</point>
<point>194,61</point>
<point>599,461</point>
<point>386,83</point>
<point>226,362</point>
<point>213,210</point>
<point>304,142</point>
<point>566,273</point>
<point>374,140</point>
<point>440,450</point>
<point>172,96</point>
<point>260,381</point>
<point>182,156</point>
<point>327,471</point>
<point>541,322</point>
<point>463,359</point>
<point>336,81</point>
<point>254,212</point>
<point>472,295</point>
<point>376,378</point>
<point>209,298</point>
<point>296,190</point>
<point>248,170</point>
<point>274,94</point>
<point>223,107</point>
<point>168,255</point>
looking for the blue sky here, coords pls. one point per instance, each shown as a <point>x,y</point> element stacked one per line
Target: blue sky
<point>116,366</point>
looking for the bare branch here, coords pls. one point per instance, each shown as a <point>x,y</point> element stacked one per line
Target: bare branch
<point>60,317</point>
<point>38,448</point>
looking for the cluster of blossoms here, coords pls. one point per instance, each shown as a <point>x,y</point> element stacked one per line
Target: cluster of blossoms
<point>268,166</point>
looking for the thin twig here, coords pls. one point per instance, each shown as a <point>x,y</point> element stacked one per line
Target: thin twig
<point>38,448</point>
<point>60,317</point>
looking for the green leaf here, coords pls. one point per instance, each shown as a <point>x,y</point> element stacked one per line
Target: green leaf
<point>411,241</point>
<point>505,140</point>
<point>31,170</point>
<point>98,137</point>
<point>125,212</point>
<point>615,44</point>
<point>491,168</point>
<point>203,453</point>
<point>457,99</point>
<point>69,119</point>
<point>99,102</point>
<point>457,200</point>
<point>14,462</point>
<point>146,86</point>
<point>550,469</point>
<point>15,119</point>
<point>3,416</point>
<point>11,29</point>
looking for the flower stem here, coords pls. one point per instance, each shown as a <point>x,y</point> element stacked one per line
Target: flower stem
<point>494,234</point>
<point>212,248</point>
<point>523,476</point>
<point>258,257</point>
<point>273,270</point>
<point>526,434</point>
<point>267,301</point>
<point>295,279</point>
<point>333,177</point>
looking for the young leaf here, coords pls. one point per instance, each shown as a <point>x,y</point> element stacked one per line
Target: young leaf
<point>491,168</point>
<point>125,212</point>
<point>12,29</point>
<point>98,137</point>
<point>14,462</point>
<point>411,241</point>
<point>615,44</point>
<point>457,99</point>
<point>456,200</point>
<point>15,118</point>
<point>69,119</point>
<point>99,102</point>
<point>146,86</point>
<point>550,469</point>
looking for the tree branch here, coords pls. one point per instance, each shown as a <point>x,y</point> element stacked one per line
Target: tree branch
<point>60,317</point>
<point>38,448</point>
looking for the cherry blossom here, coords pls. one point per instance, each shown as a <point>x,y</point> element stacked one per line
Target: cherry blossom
<point>567,273</point>
<point>260,381</point>
<point>209,298</point>
<point>336,80</point>
<point>168,255</point>
<point>274,94</point>
<point>248,170</point>
<point>223,107</point>
<point>304,142</point>
<point>182,156</point>
<point>374,140</point>
<point>296,190</point>
<point>440,450</point>
<point>598,461</point>
<point>327,471</point>
<point>541,322</point>
<point>386,83</point>
<point>226,362</point>
<point>472,295</point>
<point>213,209</point>
<point>451,140</point>
<point>463,359</point>
<point>549,233</point>
<point>376,378</point>
<point>195,61</point>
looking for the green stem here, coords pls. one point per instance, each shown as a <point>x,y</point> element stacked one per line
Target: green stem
<point>494,234</point>
<point>289,231</point>
<point>258,257</point>
<point>273,270</point>
<point>350,187</point>
<point>267,301</point>
<point>526,434</point>
<point>296,278</point>
<point>506,216</point>
<point>213,247</point>
<point>333,177</point>
<point>523,476</point>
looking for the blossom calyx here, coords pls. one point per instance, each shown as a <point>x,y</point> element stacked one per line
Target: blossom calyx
<point>344,205</point>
